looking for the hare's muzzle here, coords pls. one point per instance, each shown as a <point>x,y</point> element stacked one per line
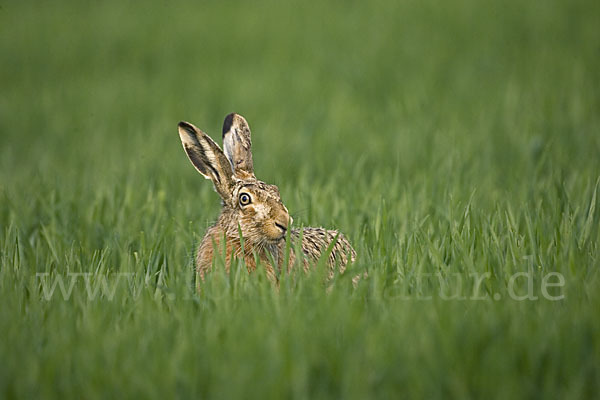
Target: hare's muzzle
<point>281,227</point>
<point>282,222</point>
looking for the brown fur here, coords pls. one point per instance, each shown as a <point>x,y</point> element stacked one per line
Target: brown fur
<point>252,208</point>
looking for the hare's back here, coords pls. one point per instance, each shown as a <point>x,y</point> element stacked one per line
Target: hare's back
<point>316,241</point>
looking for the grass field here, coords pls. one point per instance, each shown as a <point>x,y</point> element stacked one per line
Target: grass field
<point>456,144</point>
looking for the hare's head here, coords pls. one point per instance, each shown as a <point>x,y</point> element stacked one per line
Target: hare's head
<point>249,205</point>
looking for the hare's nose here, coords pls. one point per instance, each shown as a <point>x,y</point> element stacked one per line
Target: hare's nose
<point>283,228</point>
<point>283,221</point>
<point>288,217</point>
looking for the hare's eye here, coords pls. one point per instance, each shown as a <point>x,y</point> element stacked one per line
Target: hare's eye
<point>245,199</point>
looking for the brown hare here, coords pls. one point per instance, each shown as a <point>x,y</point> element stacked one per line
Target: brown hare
<point>251,207</point>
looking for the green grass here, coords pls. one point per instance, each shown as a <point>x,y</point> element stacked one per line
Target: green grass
<point>447,140</point>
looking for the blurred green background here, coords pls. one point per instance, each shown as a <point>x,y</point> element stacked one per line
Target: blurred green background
<point>451,138</point>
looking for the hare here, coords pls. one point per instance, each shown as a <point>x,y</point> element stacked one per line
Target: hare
<point>251,208</point>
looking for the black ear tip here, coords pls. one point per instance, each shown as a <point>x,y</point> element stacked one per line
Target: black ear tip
<point>187,127</point>
<point>227,123</point>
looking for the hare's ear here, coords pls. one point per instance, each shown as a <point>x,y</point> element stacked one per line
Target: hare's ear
<point>207,157</point>
<point>238,146</point>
